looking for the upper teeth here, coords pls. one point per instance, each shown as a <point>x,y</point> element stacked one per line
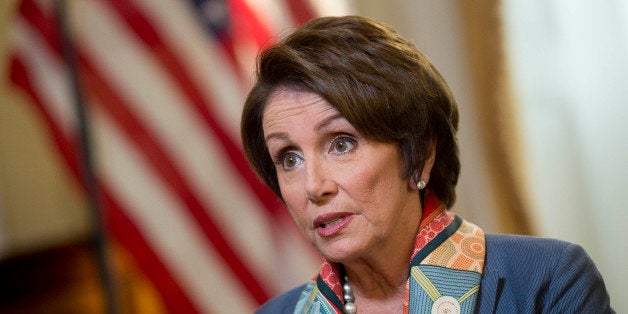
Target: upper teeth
<point>331,223</point>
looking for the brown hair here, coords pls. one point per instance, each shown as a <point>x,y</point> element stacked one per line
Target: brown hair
<point>382,84</point>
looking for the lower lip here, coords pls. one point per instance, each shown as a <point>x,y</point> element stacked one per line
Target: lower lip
<point>335,229</point>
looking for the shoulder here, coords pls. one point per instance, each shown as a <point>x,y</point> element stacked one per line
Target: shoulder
<point>524,261</point>
<point>511,254</point>
<point>532,261</point>
<point>540,274</point>
<point>283,303</point>
<point>510,240</point>
<point>508,248</point>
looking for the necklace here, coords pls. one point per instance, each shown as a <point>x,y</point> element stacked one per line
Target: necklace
<point>349,307</point>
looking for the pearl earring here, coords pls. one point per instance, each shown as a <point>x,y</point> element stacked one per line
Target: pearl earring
<point>420,185</point>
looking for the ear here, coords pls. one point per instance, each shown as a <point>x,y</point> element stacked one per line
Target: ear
<point>427,168</point>
<point>429,163</point>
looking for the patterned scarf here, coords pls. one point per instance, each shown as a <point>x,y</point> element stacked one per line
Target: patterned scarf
<point>444,275</point>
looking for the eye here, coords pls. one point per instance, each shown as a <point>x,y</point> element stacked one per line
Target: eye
<point>342,145</point>
<point>291,160</point>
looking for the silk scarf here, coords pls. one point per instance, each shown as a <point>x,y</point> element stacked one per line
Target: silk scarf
<point>444,275</point>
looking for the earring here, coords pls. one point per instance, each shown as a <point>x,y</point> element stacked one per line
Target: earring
<point>420,185</point>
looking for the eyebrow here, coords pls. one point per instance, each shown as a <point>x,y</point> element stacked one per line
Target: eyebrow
<point>277,135</point>
<point>321,125</point>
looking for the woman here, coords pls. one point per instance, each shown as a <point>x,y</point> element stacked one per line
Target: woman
<point>355,131</point>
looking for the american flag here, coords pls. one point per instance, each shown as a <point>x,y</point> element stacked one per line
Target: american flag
<point>164,83</point>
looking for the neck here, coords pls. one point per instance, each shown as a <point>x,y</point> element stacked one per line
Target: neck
<point>379,279</point>
<point>384,273</point>
<point>377,287</point>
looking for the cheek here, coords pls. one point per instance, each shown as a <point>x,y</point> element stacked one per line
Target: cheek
<point>289,189</point>
<point>294,198</point>
<point>363,183</point>
<point>374,189</point>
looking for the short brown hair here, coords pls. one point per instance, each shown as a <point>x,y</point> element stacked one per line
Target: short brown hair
<point>382,84</point>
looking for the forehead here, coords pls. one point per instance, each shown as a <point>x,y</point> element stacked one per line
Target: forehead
<point>286,105</point>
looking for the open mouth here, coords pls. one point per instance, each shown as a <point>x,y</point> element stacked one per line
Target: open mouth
<point>331,224</point>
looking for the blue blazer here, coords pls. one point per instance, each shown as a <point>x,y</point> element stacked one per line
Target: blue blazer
<point>521,275</point>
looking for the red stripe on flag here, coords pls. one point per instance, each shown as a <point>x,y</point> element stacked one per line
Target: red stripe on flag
<point>227,46</point>
<point>121,227</point>
<point>156,157</point>
<point>300,10</point>
<point>147,34</point>
<point>29,10</point>
<point>246,25</point>
<point>127,233</point>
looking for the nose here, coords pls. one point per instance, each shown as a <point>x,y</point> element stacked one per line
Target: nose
<point>319,186</point>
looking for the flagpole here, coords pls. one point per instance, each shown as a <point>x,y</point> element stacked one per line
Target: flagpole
<point>99,238</point>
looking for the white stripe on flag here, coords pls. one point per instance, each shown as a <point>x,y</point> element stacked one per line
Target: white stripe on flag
<point>50,76</point>
<point>331,7</point>
<point>274,13</point>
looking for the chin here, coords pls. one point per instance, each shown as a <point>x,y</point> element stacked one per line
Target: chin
<point>339,251</point>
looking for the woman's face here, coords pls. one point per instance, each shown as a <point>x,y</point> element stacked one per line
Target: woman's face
<point>344,192</point>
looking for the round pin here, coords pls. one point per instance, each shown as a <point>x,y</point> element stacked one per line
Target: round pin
<point>446,305</point>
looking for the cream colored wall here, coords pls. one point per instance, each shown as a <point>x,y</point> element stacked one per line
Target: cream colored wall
<point>571,79</point>
<point>39,205</point>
